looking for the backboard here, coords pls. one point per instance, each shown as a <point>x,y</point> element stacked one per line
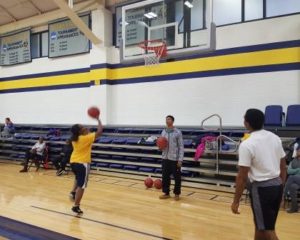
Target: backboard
<point>185,25</point>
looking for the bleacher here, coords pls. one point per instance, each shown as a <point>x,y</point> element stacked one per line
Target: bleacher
<point>124,151</point>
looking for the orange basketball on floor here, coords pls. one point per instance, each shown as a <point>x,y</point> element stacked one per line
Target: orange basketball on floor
<point>93,112</point>
<point>148,182</point>
<point>161,143</point>
<point>158,184</point>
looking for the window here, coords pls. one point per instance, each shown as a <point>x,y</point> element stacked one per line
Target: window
<point>197,15</point>
<point>39,44</point>
<point>224,12</point>
<point>179,14</point>
<point>227,11</point>
<point>44,41</point>
<point>35,45</point>
<point>281,7</point>
<point>253,9</point>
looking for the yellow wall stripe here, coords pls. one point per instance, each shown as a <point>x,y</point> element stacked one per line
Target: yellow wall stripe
<point>238,60</point>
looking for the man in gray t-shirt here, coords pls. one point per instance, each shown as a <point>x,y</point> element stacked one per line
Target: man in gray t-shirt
<point>172,157</point>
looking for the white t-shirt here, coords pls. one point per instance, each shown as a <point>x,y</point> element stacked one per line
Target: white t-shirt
<point>262,152</point>
<point>39,147</point>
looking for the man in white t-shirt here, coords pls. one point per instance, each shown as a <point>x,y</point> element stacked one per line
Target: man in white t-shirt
<point>35,153</point>
<point>262,161</point>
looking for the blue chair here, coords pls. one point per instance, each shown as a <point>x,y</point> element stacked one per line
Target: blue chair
<point>105,140</point>
<point>117,157</point>
<point>132,159</point>
<point>148,160</point>
<point>119,141</point>
<point>104,165</point>
<point>18,135</point>
<point>133,141</point>
<point>146,169</point>
<point>35,137</point>
<point>55,138</point>
<point>103,156</point>
<point>188,143</point>
<point>293,116</point>
<point>273,116</point>
<point>131,167</point>
<point>116,166</point>
<point>64,138</point>
<point>185,173</point>
<point>124,130</point>
<point>26,136</point>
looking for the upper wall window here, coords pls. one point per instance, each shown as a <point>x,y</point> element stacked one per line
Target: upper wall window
<point>45,44</point>
<point>236,11</point>
<point>282,7</point>
<point>253,9</point>
<point>35,45</point>
<point>227,11</point>
<point>39,44</point>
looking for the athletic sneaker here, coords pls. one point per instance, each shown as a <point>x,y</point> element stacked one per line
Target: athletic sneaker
<point>164,196</point>
<point>24,170</point>
<point>72,196</point>
<point>60,172</point>
<point>291,210</point>
<point>76,209</point>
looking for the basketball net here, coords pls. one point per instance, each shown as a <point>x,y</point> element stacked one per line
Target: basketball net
<point>155,50</point>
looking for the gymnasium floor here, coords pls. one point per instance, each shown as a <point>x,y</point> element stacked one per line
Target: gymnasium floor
<point>121,209</point>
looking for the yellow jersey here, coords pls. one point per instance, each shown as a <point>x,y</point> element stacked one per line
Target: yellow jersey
<point>82,149</point>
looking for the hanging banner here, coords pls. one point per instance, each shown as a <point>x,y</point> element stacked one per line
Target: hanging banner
<point>15,48</point>
<point>66,39</point>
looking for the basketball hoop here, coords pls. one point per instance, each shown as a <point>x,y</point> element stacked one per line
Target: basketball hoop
<point>155,50</point>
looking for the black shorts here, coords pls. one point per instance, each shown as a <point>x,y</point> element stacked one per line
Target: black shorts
<point>265,203</point>
<point>81,171</point>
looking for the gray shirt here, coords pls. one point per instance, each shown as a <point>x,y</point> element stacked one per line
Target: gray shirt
<point>294,167</point>
<point>175,148</point>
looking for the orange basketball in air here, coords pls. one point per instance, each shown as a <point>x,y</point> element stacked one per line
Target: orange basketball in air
<point>93,112</point>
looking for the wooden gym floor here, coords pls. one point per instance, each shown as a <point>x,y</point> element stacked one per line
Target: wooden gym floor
<point>122,209</point>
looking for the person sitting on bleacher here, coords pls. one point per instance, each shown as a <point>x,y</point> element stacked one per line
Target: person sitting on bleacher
<point>64,158</point>
<point>35,153</point>
<point>293,182</point>
<point>8,129</point>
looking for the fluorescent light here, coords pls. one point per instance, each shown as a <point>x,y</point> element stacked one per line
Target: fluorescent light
<point>126,23</point>
<point>150,15</point>
<point>188,4</point>
<point>147,15</point>
<point>154,15</point>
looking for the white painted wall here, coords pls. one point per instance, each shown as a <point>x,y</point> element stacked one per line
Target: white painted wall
<point>57,107</point>
<point>192,100</point>
<point>189,100</point>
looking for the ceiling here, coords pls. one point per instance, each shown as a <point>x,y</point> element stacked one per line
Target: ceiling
<point>16,10</point>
